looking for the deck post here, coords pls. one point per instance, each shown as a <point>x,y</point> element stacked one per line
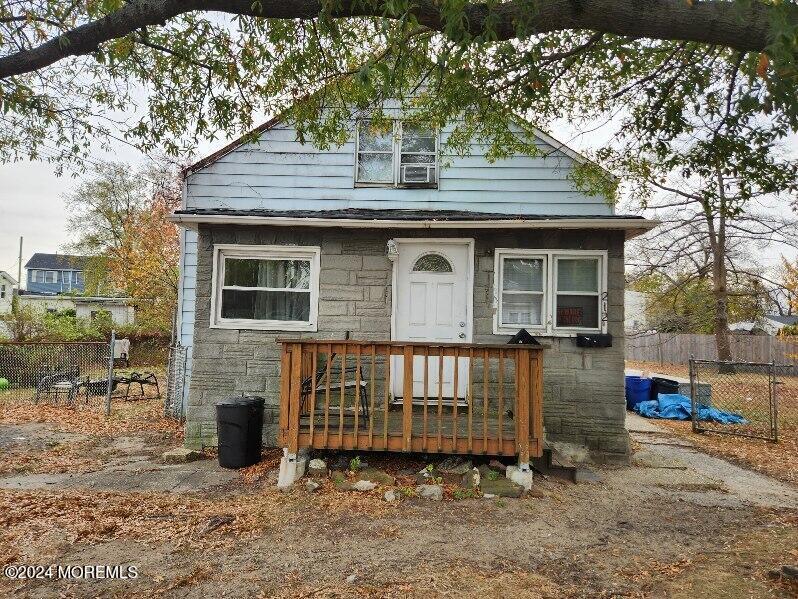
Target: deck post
<point>536,412</point>
<point>292,464</point>
<point>285,394</point>
<point>407,399</point>
<point>293,408</point>
<point>522,396</point>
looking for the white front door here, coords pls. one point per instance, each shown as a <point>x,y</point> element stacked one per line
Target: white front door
<point>433,294</point>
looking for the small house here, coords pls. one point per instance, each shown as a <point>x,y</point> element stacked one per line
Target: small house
<point>769,324</point>
<point>53,274</point>
<point>7,290</point>
<point>120,310</point>
<point>368,293</point>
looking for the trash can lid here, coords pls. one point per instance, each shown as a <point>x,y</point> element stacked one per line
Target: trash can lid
<point>239,400</point>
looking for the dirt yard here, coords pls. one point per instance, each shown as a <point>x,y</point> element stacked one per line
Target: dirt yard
<point>775,459</point>
<point>79,489</point>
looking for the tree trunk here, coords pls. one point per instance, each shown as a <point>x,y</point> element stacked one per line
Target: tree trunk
<point>719,280</point>
<point>717,240</point>
<point>721,295</point>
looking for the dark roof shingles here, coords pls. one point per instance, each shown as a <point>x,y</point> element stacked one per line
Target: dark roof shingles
<point>394,214</point>
<point>57,261</point>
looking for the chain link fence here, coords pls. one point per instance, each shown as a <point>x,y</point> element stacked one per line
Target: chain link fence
<point>73,374</point>
<point>744,389</point>
<point>175,382</point>
<point>56,373</point>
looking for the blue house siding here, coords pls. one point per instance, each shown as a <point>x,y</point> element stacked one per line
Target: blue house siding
<point>278,172</point>
<point>66,282</point>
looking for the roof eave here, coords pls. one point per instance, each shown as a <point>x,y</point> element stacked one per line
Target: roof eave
<point>632,226</point>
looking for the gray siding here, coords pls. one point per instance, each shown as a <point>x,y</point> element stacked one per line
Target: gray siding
<point>583,388</point>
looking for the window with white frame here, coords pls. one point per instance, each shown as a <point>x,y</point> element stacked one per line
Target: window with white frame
<point>266,287</point>
<point>549,292</point>
<point>51,276</point>
<point>3,291</point>
<point>402,154</point>
<point>34,276</point>
<point>577,302</point>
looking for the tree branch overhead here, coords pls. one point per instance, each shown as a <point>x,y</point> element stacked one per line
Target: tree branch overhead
<point>715,22</point>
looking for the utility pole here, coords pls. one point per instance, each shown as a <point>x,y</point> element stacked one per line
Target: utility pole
<point>19,266</point>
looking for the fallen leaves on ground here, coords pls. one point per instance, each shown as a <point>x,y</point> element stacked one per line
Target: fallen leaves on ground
<point>431,580</point>
<point>774,459</point>
<point>73,457</point>
<point>28,517</point>
<point>270,459</point>
<point>126,417</point>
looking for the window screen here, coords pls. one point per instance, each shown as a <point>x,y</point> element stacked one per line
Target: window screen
<point>577,293</point>
<point>522,291</point>
<point>375,154</point>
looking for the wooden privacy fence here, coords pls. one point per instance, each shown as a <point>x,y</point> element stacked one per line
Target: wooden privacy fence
<point>672,348</point>
<point>341,395</point>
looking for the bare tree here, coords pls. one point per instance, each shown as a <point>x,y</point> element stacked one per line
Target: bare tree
<point>708,232</point>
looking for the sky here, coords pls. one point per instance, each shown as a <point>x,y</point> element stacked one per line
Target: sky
<point>32,205</point>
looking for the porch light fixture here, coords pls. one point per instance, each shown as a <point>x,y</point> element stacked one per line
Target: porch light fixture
<point>391,250</point>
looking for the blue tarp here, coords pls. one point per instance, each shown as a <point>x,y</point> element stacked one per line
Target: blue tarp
<point>674,406</point>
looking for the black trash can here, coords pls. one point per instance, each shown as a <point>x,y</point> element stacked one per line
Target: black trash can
<point>662,385</point>
<point>239,425</point>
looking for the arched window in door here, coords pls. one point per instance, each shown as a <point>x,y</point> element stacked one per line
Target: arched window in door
<point>432,263</point>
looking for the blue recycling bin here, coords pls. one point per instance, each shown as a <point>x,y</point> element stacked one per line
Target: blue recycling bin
<point>637,389</point>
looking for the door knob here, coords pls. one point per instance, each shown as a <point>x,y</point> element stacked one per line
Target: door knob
<point>462,335</point>
<point>462,324</point>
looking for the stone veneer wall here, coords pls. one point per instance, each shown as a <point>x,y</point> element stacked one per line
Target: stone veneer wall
<point>583,388</point>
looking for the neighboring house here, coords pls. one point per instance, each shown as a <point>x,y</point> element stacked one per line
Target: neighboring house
<point>53,274</point>
<point>770,324</point>
<point>635,320</point>
<point>88,308</point>
<point>7,285</point>
<point>377,240</point>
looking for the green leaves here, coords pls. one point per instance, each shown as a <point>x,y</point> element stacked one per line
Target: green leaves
<point>201,76</point>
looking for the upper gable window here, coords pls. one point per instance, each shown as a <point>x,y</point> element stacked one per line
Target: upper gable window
<point>403,155</point>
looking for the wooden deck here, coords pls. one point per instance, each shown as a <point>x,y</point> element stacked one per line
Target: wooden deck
<point>499,432</point>
<point>338,395</point>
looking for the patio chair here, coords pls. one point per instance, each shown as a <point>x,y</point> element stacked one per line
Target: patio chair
<point>318,379</point>
<point>146,379</point>
<point>54,385</point>
<point>97,387</point>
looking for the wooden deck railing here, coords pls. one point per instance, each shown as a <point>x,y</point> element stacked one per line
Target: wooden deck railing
<point>341,395</point>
